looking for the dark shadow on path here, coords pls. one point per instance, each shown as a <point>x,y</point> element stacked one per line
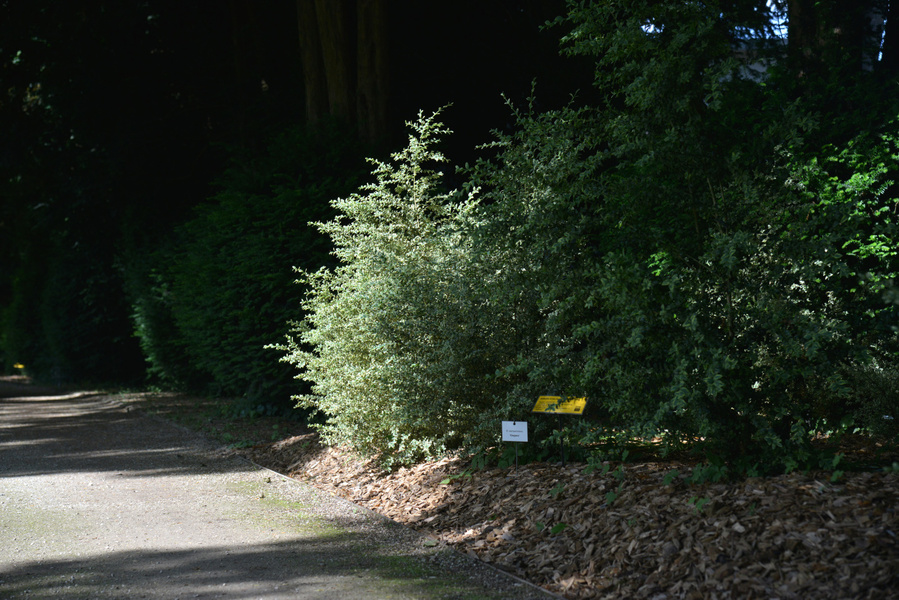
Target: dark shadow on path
<point>74,434</point>
<point>323,567</point>
<point>79,432</point>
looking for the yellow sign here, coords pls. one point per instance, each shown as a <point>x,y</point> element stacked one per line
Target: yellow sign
<point>556,405</point>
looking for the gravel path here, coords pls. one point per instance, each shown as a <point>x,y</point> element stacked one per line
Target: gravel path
<point>100,501</point>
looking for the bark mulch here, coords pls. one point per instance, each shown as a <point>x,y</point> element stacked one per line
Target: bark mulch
<point>635,532</point>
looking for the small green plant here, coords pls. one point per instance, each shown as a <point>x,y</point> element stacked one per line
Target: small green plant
<point>557,490</point>
<point>837,473</point>
<point>555,529</point>
<point>697,503</point>
<point>480,461</point>
<point>618,474</point>
<point>558,528</point>
<point>596,462</point>
<point>670,476</point>
<point>527,453</point>
<point>466,474</point>
<point>708,473</point>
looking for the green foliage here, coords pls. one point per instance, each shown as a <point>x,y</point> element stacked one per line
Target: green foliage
<point>396,342</point>
<point>208,303</point>
<point>698,503</point>
<point>558,528</point>
<point>711,472</point>
<point>721,294</point>
<point>532,236</point>
<point>149,288</point>
<point>698,255</point>
<point>671,476</point>
<point>505,456</point>
<point>874,403</point>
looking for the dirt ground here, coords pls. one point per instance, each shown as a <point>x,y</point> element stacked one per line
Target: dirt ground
<point>638,531</point>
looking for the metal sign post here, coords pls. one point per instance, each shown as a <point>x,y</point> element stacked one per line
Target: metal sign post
<point>515,431</point>
<point>560,406</point>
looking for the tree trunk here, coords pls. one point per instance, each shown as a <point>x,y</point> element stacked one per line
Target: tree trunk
<point>335,22</point>
<point>345,64</point>
<point>246,56</point>
<point>837,36</point>
<point>803,36</point>
<point>372,70</point>
<point>316,93</point>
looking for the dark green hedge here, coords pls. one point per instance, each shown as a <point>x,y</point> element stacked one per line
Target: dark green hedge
<point>211,300</point>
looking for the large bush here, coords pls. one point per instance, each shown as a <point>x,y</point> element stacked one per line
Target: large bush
<point>399,341</point>
<point>708,269</point>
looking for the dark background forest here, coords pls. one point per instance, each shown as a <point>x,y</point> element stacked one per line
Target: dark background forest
<point>687,213</point>
<point>119,117</point>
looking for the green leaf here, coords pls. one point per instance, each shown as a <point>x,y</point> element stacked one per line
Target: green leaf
<point>670,476</point>
<point>558,528</point>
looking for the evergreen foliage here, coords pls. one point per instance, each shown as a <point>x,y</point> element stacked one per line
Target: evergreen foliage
<point>208,304</point>
<point>729,294</point>
<point>392,339</point>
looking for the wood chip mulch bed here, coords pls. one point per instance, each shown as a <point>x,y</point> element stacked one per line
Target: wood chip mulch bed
<point>636,532</point>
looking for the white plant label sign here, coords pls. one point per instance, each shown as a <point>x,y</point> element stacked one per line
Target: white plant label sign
<point>515,431</point>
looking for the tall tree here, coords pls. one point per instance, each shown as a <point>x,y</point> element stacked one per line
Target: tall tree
<point>343,44</point>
